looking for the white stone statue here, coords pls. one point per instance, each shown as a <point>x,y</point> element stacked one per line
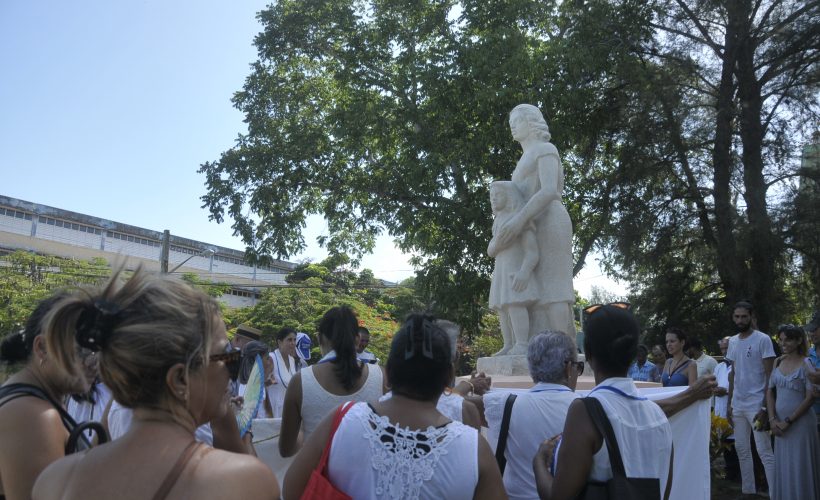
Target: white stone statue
<point>512,290</point>
<point>546,295</point>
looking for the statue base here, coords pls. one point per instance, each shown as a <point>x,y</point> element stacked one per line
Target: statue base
<point>504,365</point>
<point>515,366</point>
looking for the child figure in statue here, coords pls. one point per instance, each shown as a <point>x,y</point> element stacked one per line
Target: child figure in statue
<point>512,290</point>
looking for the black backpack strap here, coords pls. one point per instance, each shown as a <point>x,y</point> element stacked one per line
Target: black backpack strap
<point>10,392</point>
<point>502,435</point>
<point>601,421</point>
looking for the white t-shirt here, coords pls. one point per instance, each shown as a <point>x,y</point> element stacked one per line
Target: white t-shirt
<point>706,365</point>
<point>372,458</point>
<point>536,415</point>
<point>747,357</point>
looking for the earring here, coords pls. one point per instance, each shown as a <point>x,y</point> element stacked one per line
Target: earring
<point>42,361</point>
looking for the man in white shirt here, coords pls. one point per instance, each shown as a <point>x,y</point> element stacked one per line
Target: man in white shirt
<point>752,356</point>
<point>706,364</point>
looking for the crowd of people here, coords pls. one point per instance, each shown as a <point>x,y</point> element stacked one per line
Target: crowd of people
<point>149,359</point>
<point>769,401</point>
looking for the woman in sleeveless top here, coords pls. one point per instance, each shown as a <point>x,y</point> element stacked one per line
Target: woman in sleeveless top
<point>643,434</point>
<point>338,377</point>
<point>33,432</point>
<point>164,353</point>
<point>679,370</point>
<point>789,401</point>
<point>403,447</point>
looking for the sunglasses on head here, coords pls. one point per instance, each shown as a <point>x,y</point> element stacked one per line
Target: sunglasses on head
<point>594,307</point>
<point>231,358</point>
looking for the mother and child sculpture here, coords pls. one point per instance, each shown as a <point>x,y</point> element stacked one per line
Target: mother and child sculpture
<point>532,240</point>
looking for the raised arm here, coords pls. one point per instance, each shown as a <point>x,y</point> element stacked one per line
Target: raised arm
<point>291,418</point>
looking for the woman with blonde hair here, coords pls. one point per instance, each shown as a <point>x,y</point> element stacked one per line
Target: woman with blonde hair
<point>163,352</point>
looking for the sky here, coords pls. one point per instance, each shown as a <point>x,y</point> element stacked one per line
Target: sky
<point>107,108</point>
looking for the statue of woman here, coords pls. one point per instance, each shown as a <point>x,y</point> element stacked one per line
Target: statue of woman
<point>540,179</point>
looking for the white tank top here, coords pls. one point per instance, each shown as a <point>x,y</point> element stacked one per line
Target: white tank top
<point>372,458</point>
<point>317,402</point>
<point>449,405</point>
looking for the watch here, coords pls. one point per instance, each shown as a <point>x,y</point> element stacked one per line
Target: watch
<point>788,420</point>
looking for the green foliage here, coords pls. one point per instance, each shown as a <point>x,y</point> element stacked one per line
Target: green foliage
<point>26,278</point>
<point>386,116</point>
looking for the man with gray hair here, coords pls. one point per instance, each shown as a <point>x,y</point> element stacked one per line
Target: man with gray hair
<point>539,413</point>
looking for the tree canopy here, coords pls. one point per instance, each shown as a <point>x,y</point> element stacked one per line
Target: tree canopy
<point>680,124</point>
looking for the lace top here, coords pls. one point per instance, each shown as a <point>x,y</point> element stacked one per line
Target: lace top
<point>372,458</point>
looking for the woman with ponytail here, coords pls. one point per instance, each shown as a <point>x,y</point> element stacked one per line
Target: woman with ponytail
<point>164,354</point>
<point>338,377</point>
<point>403,447</point>
<point>33,424</point>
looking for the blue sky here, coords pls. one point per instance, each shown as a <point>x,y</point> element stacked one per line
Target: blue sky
<point>108,108</point>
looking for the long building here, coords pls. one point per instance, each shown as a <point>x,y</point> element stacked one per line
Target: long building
<point>53,231</point>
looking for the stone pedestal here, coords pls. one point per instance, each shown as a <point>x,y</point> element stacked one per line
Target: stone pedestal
<point>504,365</point>
<point>513,366</point>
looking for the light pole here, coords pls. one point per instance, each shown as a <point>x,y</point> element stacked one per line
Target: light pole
<point>204,253</point>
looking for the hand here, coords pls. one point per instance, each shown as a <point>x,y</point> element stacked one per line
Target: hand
<point>704,387</point>
<point>546,452</point>
<point>779,428</point>
<point>237,402</point>
<point>721,391</point>
<point>481,383</point>
<point>509,231</point>
<point>520,281</point>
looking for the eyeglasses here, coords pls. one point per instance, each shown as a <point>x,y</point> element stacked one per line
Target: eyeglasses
<point>231,358</point>
<point>594,307</point>
<point>579,365</point>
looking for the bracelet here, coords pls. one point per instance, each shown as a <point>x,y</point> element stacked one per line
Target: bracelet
<point>472,387</point>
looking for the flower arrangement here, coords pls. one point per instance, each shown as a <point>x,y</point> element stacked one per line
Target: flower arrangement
<point>720,430</point>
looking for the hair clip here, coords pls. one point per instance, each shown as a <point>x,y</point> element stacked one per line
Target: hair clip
<point>426,338</point>
<point>96,323</point>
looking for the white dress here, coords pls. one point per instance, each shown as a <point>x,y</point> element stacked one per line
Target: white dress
<point>317,402</point>
<point>372,458</point>
<point>641,429</point>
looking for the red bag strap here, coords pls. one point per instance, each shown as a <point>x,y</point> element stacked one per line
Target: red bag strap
<point>340,413</point>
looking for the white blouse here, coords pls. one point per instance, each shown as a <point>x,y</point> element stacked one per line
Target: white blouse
<point>372,458</point>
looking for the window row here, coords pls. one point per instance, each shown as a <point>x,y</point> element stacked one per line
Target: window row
<point>133,239</point>
<point>243,293</point>
<point>14,213</point>
<point>70,225</point>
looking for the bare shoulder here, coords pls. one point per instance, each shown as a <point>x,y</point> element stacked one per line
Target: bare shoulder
<point>52,482</point>
<point>31,420</point>
<point>224,474</point>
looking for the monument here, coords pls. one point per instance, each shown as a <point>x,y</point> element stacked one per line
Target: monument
<point>531,286</point>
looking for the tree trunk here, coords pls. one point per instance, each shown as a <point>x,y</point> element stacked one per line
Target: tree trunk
<point>762,251</point>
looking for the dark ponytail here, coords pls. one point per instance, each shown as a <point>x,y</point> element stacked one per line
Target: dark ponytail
<point>339,325</point>
<point>17,347</point>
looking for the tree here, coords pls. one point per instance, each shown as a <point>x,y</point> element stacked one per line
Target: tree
<point>26,278</point>
<point>676,120</point>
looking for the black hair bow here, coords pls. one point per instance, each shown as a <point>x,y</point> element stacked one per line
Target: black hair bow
<point>96,323</point>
